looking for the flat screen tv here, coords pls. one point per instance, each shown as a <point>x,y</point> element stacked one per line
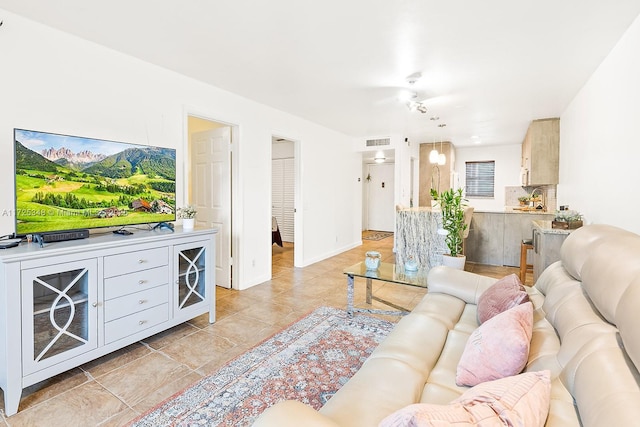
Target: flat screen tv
<point>65,182</point>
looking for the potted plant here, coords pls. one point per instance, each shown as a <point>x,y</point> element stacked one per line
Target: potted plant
<point>567,220</point>
<point>188,216</point>
<point>524,200</point>
<point>452,205</point>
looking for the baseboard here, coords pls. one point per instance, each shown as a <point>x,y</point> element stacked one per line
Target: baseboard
<point>334,252</point>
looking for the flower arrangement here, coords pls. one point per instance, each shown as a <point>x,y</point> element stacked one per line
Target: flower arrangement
<point>568,216</point>
<point>187,212</point>
<point>567,220</point>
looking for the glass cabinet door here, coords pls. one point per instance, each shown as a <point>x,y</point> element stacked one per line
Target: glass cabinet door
<point>59,314</point>
<point>192,279</point>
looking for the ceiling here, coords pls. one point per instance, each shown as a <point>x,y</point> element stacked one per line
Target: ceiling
<point>488,66</point>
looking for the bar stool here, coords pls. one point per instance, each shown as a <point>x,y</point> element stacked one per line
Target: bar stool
<point>524,267</point>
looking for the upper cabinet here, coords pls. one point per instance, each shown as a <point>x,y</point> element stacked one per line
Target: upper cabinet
<point>540,153</point>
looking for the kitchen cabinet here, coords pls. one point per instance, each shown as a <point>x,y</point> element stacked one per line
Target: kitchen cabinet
<point>68,303</point>
<point>540,153</point>
<point>495,237</point>
<point>485,240</point>
<point>547,242</point>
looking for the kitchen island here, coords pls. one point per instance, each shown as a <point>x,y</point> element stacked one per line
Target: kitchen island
<point>417,237</point>
<point>546,245</point>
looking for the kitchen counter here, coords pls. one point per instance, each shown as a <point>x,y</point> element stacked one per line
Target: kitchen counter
<point>522,209</point>
<point>545,227</point>
<point>516,210</point>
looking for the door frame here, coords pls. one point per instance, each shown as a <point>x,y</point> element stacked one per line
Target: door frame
<point>297,217</point>
<point>236,201</point>
<point>366,161</point>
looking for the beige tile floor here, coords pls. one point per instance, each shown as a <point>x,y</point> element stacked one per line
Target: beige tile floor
<point>116,388</point>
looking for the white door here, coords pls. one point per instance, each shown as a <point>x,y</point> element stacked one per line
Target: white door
<point>381,197</point>
<point>211,192</point>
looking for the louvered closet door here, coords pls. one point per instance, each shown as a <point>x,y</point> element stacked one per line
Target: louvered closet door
<point>286,229</point>
<point>283,196</point>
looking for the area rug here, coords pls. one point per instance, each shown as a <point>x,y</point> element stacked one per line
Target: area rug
<point>308,361</point>
<point>376,235</point>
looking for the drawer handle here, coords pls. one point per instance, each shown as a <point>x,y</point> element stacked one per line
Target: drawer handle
<point>141,261</point>
<point>141,301</point>
<point>142,322</point>
<point>141,282</point>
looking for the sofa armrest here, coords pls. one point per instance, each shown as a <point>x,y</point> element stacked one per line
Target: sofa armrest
<point>291,413</point>
<point>461,284</point>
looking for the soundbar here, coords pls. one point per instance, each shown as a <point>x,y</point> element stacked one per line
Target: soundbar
<point>60,236</point>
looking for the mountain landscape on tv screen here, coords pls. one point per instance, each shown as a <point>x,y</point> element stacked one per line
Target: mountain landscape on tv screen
<point>104,184</point>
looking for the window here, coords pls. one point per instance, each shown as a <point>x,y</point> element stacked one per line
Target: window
<point>480,178</point>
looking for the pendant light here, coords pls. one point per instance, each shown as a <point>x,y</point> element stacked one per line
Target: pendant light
<point>442,159</point>
<point>434,155</point>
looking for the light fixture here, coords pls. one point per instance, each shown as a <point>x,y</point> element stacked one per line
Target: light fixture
<point>434,155</point>
<point>442,159</point>
<point>417,106</point>
<point>379,158</point>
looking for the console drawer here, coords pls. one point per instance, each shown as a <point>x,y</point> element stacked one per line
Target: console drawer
<point>130,262</point>
<point>133,303</point>
<point>129,325</point>
<point>118,286</point>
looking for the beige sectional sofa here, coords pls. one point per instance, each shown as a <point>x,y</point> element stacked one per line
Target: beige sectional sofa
<point>586,332</point>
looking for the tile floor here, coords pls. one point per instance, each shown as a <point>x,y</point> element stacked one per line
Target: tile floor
<point>116,388</point>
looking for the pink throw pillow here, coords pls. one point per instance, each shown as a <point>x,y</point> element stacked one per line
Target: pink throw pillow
<point>506,293</point>
<point>521,400</point>
<point>498,348</point>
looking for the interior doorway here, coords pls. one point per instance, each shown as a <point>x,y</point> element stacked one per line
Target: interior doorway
<point>379,192</point>
<point>283,197</point>
<point>209,186</point>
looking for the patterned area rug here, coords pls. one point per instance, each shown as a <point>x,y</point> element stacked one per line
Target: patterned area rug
<point>376,235</point>
<point>308,361</point>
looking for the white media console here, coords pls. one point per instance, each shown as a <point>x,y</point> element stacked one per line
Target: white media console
<point>68,303</point>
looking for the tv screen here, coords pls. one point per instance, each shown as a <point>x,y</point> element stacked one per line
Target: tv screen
<point>65,182</point>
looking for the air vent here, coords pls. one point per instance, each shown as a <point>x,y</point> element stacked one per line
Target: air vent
<point>378,142</point>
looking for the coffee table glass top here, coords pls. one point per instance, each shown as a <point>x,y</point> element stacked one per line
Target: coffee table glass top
<point>389,273</point>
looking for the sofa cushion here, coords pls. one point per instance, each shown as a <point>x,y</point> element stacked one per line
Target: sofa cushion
<point>501,296</point>
<point>498,348</point>
<point>518,400</point>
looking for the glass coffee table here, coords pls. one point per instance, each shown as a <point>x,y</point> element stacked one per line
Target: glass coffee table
<point>387,272</point>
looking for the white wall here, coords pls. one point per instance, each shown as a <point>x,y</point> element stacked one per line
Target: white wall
<point>600,140</point>
<point>507,172</point>
<point>55,82</point>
